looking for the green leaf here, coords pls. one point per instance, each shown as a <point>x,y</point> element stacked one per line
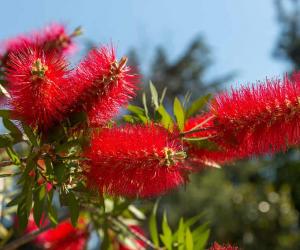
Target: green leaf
<point>197,105</point>
<point>39,196</point>
<point>60,172</point>
<point>73,208</point>
<point>30,134</point>
<point>166,119</point>
<point>52,214</point>
<point>16,133</point>
<point>68,145</point>
<point>145,105</point>
<point>166,237</point>
<point>6,140</point>
<point>189,240</point>
<point>153,226</point>
<point>129,118</point>
<point>49,166</point>
<point>201,239</point>
<point>15,201</point>
<point>180,235</point>
<point>13,155</point>
<point>179,113</point>
<point>191,221</point>
<point>161,100</point>
<point>154,95</point>
<point>5,113</point>
<point>136,109</point>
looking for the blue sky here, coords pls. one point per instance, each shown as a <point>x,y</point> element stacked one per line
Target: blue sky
<point>241,34</point>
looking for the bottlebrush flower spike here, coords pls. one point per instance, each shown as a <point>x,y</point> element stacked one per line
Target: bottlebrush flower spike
<point>52,37</point>
<point>135,161</point>
<point>259,119</point>
<point>55,37</point>
<point>36,85</point>
<point>63,237</point>
<point>216,246</point>
<point>103,85</point>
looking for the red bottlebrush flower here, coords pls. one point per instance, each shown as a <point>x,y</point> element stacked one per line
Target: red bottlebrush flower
<point>103,85</point>
<point>259,119</point>
<point>55,37</point>
<point>131,243</point>
<point>135,161</point>
<point>216,246</point>
<point>37,86</point>
<point>63,237</point>
<point>52,37</point>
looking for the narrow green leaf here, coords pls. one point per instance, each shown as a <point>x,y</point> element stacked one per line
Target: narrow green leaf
<point>6,140</point>
<point>30,134</point>
<point>39,196</point>
<point>197,105</point>
<point>191,221</point>
<point>129,118</point>
<point>52,214</point>
<point>179,113</point>
<point>166,119</point>
<point>153,226</point>
<point>180,235</point>
<point>15,201</point>
<point>166,237</point>
<point>145,105</point>
<point>201,239</point>
<point>5,113</point>
<point>16,133</point>
<point>68,145</point>
<point>13,155</point>
<point>73,208</point>
<point>189,240</point>
<point>154,95</point>
<point>60,172</point>
<point>136,109</point>
<point>161,100</point>
<point>49,166</point>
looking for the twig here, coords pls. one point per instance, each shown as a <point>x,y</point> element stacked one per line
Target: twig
<point>9,162</point>
<point>30,236</point>
<point>198,126</point>
<point>133,233</point>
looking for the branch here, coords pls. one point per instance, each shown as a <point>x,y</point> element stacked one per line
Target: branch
<point>9,162</point>
<point>136,234</point>
<point>30,236</point>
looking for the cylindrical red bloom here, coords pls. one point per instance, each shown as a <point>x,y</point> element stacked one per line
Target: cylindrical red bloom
<point>216,246</point>
<point>55,37</point>
<point>52,37</point>
<point>102,85</point>
<point>135,161</point>
<point>63,237</point>
<point>37,85</point>
<point>259,119</point>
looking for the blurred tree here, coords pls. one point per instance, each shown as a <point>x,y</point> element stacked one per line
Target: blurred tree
<point>288,45</point>
<point>185,74</point>
<point>254,203</point>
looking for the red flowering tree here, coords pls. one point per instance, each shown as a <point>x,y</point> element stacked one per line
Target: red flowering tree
<point>84,169</point>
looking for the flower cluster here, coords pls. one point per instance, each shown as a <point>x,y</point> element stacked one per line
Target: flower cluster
<point>132,161</point>
<point>253,120</point>
<point>63,236</point>
<point>217,246</point>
